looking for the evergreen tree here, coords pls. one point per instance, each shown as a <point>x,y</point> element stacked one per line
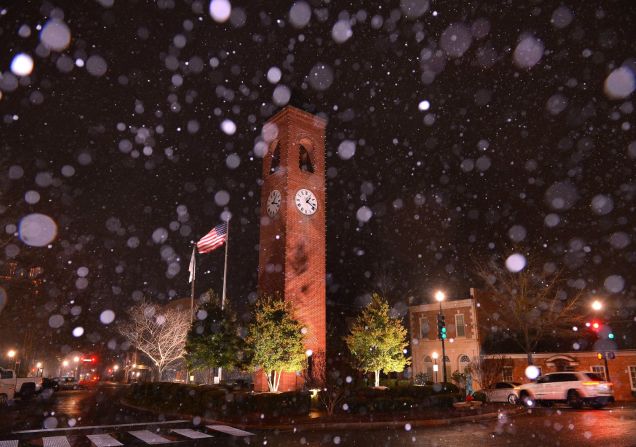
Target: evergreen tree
<point>214,340</point>
<point>276,339</point>
<point>377,341</point>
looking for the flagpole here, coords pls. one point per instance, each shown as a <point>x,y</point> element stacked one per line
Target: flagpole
<point>227,242</point>
<point>194,266</point>
<point>193,275</point>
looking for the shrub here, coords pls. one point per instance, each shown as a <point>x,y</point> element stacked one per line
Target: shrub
<point>449,388</point>
<point>216,401</point>
<point>421,378</point>
<point>480,396</point>
<point>369,400</point>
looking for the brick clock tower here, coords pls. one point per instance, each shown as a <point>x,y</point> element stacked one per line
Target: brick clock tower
<point>292,226</point>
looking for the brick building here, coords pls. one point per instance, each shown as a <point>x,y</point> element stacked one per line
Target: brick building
<point>464,344</point>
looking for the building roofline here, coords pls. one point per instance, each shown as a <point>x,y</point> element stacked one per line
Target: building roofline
<point>468,302</point>
<point>546,355</point>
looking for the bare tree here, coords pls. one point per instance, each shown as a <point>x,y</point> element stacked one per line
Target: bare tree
<point>530,305</point>
<point>158,331</point>
<point>488,370</point>
<point>329,382</point>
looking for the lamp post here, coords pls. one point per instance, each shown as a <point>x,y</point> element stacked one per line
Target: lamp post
<point>39,372</point>
<point>439,296</point>
<point>12,355</point>
<point>435,367</point>
<point>597,306</point>
<point>76,360</point>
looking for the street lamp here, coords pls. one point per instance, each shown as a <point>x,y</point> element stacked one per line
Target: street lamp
<point>440,296</point>
<point>39,372</point>
<point>435,366</point>
<point>12,354</point>
<point>597,305</point>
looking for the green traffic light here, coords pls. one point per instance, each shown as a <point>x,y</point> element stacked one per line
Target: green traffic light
<point>610,336</point>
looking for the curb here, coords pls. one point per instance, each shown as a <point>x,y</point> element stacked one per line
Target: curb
<point>414,423</point>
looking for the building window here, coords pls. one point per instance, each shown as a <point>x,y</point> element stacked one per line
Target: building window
<point>506,374</point>
<point>632,377</point>
<point>428,369</point>
<point>425,328</point>
<point>304,161</point>
<point>275,160</point>
<point>600,370</point>
<point>464,362</point>
<point>460,328</point>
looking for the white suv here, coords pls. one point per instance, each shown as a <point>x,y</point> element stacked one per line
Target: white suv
<point>576,388</point>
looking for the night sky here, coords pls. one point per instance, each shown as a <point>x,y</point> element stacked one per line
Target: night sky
<point>481,129</point>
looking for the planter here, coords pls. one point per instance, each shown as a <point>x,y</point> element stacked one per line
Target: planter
<point>467,405</point>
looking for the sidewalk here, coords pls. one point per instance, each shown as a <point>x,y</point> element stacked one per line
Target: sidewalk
<point>369,422</point>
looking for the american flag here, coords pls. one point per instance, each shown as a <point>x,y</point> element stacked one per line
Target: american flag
<point>214,239</point>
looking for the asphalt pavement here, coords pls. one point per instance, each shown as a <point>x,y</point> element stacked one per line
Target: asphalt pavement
<point>94,418</point>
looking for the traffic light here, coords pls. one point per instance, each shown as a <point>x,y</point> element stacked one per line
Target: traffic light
<point>610,336</point>
<point>593,325</point>
<point>441,327</point>
<point>599,355</point>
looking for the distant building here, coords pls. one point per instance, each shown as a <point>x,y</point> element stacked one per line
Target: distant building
<point>23,319</point>
<point>466,322</point>
<point>462,344</point>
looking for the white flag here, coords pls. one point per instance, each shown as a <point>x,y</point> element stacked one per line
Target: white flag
<point>192,267</point>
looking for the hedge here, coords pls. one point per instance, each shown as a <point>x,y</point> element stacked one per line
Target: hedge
<point>215,401</point>
<point>404,398</point>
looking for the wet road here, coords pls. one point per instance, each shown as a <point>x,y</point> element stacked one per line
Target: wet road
<point>542,427</point>
<point>73,418</point>
<point>63,409</point>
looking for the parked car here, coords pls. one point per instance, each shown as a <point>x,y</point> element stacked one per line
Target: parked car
<point>24,387</point>
<point>503,392</point>
<point>576,388</point>
<point>89,381</point>
<point>67,383</point>
<point>48,382</point>
<point>7,393</point>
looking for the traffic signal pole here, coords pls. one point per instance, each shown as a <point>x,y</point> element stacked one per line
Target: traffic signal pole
<point>442,336</point>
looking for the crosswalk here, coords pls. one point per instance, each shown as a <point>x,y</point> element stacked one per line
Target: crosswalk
<point>122,438</point>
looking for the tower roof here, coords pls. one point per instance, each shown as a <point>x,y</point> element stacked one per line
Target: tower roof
<point>300,101</point>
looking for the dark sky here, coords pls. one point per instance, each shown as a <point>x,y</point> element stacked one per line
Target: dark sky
<point>527,145</point>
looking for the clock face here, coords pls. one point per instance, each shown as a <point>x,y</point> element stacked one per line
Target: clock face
<point>273,202</point>
<point>306,202</point>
